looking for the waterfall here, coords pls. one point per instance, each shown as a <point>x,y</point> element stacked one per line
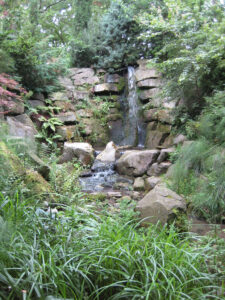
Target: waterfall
<point>134,127</point>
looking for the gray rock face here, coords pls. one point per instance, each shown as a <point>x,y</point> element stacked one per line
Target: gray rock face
<point>159,205</point>
<point>81,151</point>
<point>139,184</point>
<point>149,83</point>
<point>81,76</point>
<point>67,117</point>
<point>106,88</point>
<point>145,73</point>
<point>22,126</point>
<point>158,169</point>
<point>179,139</point>
<point>136,162</point>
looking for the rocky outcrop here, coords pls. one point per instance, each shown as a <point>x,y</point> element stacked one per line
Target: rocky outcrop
<point>160,205</point>
<point>83,152</point>
<point>136,162</point>
<point>108,154</point>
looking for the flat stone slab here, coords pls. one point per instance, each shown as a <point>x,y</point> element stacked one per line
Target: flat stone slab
<point>106,88</point>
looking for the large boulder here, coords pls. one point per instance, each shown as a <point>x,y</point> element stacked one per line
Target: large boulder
<point>164,154</point>
<point>136,162</point>
<point>108,154</point>
<point>21,126</point>
<point>81,151</point>
<point>160,205</point>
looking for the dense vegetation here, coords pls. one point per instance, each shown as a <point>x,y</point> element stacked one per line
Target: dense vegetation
<point>85,251</point>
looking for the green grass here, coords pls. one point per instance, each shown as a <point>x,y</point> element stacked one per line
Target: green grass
<point>80,254</point>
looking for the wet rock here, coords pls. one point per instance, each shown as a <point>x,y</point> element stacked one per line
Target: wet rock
<point>81,151</point>
<point>149,83</point>
<point>164,154</point>
<point>160,205</point>
<point>158,169</point>
<point>139,184</point>
<point>86,174</point>
<point>151,182</point>
<point>136,162</point>
<point>100,166</point>
<point>108,154</point>
<point>67,117</point>
<point>106,88</point>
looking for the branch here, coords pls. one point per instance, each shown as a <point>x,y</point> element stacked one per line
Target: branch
<point>50,5</point>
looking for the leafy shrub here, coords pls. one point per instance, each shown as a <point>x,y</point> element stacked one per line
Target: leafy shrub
<point>36,62</point>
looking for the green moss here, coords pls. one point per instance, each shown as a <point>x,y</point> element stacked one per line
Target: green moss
<point>121,85</point>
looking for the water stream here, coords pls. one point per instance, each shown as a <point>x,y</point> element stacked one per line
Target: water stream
<point>130,132</point>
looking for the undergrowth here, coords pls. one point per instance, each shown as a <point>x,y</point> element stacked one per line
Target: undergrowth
<point>80,254</point>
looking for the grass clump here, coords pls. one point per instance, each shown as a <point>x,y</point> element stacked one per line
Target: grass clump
<point>79,254</point>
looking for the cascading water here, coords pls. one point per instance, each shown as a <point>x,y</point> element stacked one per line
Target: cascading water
<point>134,129</point>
